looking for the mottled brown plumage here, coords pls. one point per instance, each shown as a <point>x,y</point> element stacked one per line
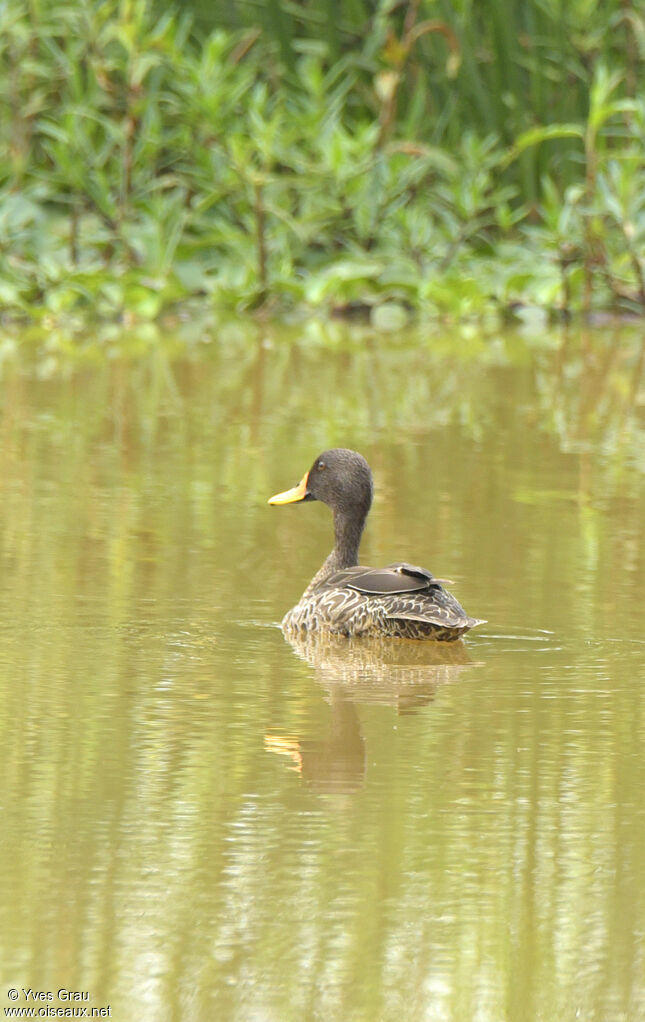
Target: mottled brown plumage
<point>401,600</point>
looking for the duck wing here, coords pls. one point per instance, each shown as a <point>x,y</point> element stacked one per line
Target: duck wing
<point>395,578</point>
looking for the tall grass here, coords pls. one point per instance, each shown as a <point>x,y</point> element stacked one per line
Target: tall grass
<point>490,66</point>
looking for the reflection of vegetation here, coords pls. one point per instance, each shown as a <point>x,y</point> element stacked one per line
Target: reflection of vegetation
<point>141,167</point>
<point>588,385</point>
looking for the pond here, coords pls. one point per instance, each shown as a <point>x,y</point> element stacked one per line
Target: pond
<point>199,820</point>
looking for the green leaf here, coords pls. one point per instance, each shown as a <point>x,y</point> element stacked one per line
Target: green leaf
<point>537,135</point>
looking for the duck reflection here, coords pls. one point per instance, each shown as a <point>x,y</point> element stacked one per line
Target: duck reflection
<point>335,763</point>
<point>405,675</point>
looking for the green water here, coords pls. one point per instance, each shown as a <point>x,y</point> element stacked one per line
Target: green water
<point>198,821</point>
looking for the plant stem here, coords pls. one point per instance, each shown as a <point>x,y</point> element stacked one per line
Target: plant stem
<point>260,236</point>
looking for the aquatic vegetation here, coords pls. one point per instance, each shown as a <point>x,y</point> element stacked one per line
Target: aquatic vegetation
<point>143,165</point>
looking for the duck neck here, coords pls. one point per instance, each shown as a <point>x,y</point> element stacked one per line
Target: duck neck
<point>347,532</point>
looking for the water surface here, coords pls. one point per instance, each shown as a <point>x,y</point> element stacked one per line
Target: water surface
<point>198,820</point>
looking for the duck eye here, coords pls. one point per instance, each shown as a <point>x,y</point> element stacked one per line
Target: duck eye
<point>320,466</point>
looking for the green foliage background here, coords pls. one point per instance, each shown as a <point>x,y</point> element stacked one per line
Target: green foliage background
<point>449,158</point>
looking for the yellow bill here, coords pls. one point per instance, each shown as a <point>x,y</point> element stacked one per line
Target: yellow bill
<point>298,492</point>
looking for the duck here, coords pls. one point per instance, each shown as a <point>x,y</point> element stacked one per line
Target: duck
<point>346,598</point>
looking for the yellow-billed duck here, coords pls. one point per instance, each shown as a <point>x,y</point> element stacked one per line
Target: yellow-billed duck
<point>400,600</point>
